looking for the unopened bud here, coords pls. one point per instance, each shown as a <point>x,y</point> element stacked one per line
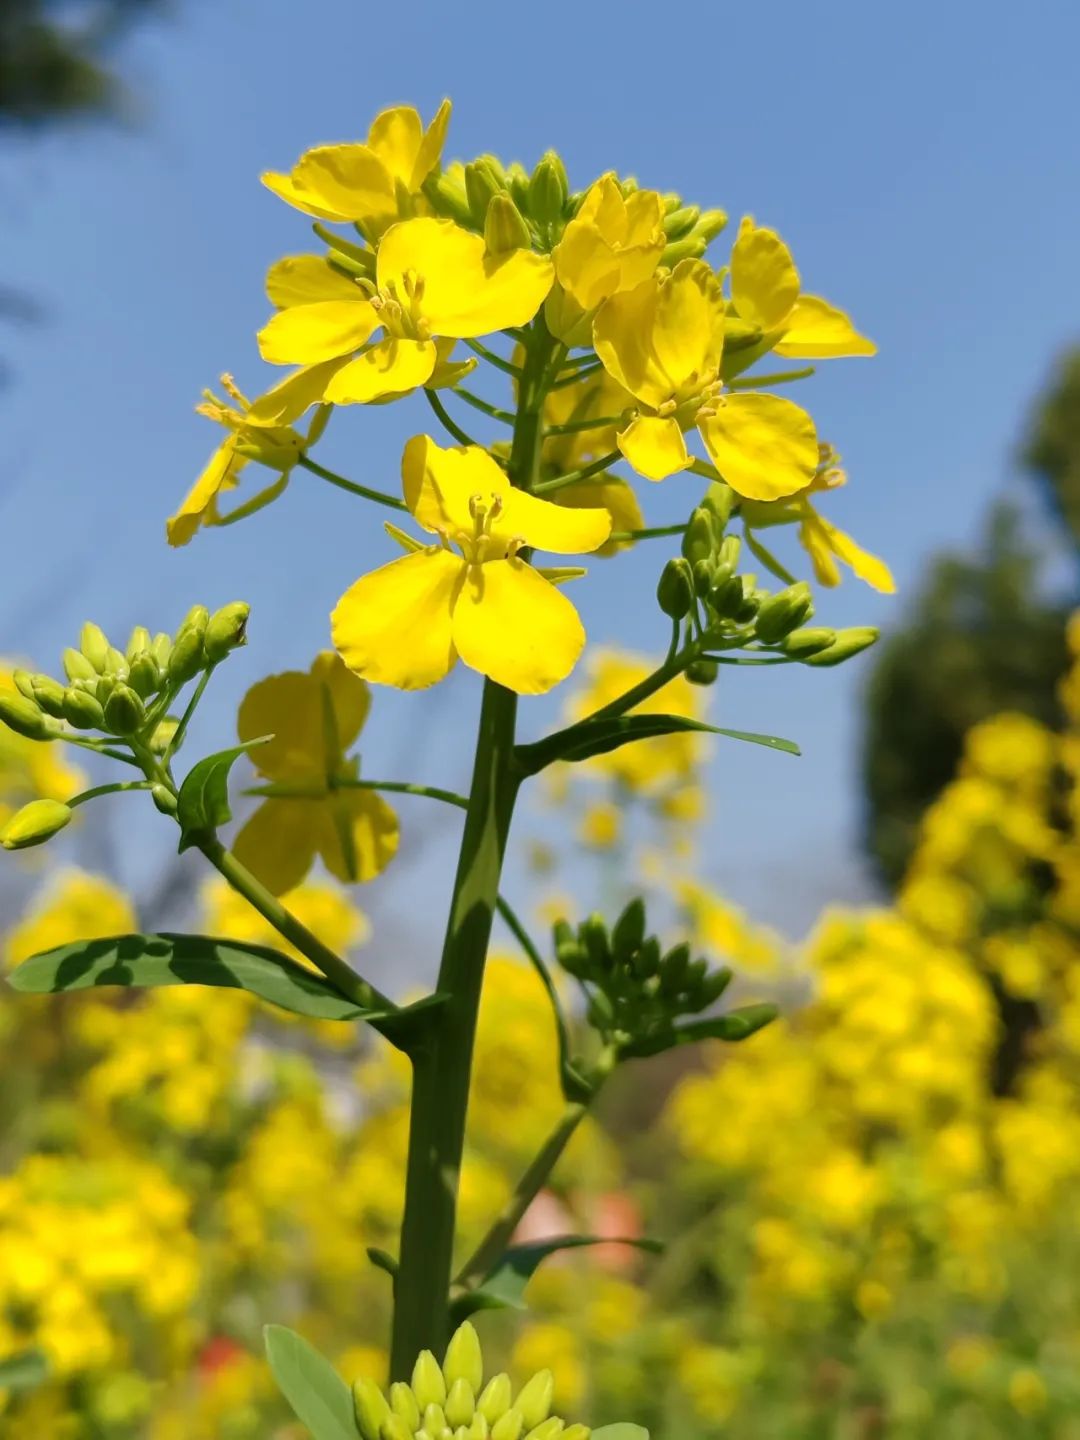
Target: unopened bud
<point>124,711</point>
<point>49,695</point>
<point>576,1432</point>
<point>803,643</point>
<point>428,1383</point>
<point>712,987</point>
<point>548,190</point>
<point>24,684</point>
<point>164,799</point>
<point>628,932</point>
<point>784,612</point>
<point>144,677</point>
<point>680,222</point>
<point>116,663</point>
<point>479,1429</point>
<point>508,1426</point>
<point>847,643</point>
<point>395,1428</point>
<point>434,1421</point>
<point>699,538</point>
<point>675,589</point>
<point>495,1398</point>
<point>370,1407</point>
<point>704,573</point>
<point>188,655</point>
<point>482,184</point>
<point>94,644</point>
<point>463,1360</point>
<point>24,717</point>
<point>446,192</point>
<point>403,1404</point>
<point>163,734</point>
<point>197,617</point>
<point>549,1429</point>
<point>82,710</point>
<point>709,225</point>
<point>673,969</point>
<point>226,630</point>
<point>504,227</point>
<point>160,648</point>
<point>593,935</point>
<point>534,1401</point>
<point>702,672</point>
<point>646,962</point>
<point>77,666</point>
<point>690,247</point>
<point>34,824</point>
<point>720,500</point>
<point>138,642</point>
<point>460,1403</point>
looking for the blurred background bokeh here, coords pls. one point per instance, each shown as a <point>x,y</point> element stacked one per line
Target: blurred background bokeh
<point>870,1209</point>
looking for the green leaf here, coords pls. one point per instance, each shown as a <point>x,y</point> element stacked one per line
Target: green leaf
<point>622,1430</point>
<point>319,1397</point>
<point>24,1371</point>
<point>165,959</point>
<point>600,736</point>
<point>504,1286</point>
<point>203,801</point>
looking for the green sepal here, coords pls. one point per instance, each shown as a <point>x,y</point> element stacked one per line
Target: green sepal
<point>318,1395</point>
<point>503,1288</point>
<point>203,801</point>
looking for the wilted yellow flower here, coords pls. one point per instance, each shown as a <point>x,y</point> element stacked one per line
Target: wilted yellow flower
<point>367,182</point>
<point>314,718</point>
<point>407,623</point>
<point>432,279</point>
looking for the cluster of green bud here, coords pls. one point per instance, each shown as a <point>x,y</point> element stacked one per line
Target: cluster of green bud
<point>689,230</point>
<point>636,990</point>
<point>451,1402</point>
<point>510,207</point>
<point>115,691</point>
<point>705,580</point>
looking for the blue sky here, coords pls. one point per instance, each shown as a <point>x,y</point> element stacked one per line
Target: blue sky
<point>918,160</point>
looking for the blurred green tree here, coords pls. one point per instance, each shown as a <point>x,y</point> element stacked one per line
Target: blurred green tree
<point>1051,450</point>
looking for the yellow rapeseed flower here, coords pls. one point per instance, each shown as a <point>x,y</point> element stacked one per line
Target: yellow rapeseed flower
<point>407,623</point>
<point>432,279</point>
<point>368,183</point>
<point>314,717</point>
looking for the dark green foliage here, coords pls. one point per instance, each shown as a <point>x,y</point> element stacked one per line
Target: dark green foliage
<point>1052,447</point>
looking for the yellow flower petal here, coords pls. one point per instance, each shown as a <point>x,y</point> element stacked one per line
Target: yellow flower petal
<point>313,716</point>
<point>764,281</point>
<point>611,244</point>
<point>394,625</point>
<point>655,448</point>
<point>823,540</point>
<point>431,146</point>
<point>613,495</point>
<point>816,330</point>
<point>466,291</point>
<point>448,371</point>
<point>302,279</point>
<point>764,447</point>
<point>323,330</point>
<point>515,627</point>
<point>357,835</point>
<point>438,483</point>
<point>278,842</point>
<point>392,367</point>
<point>338,182</point>
<point>395,137</point>
<point>289,398</point>
<point>220,474</point>
<point>547,526</point>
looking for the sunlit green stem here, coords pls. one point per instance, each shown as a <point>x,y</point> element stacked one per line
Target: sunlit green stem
<point>497,360</point>
<point>577,427</point>
<point>507,417</point>
<point>185,719</point>
<point>284,789</point>
<point>449,424</point>
<point>364,491</point>
<point>116,788</point>
<point>656,532</point>
<point>560,482</point>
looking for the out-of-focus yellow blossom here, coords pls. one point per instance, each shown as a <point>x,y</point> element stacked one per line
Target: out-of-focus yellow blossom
<point>766,292</point>
<point>314,717</point>
<point>548,1345</point>
<point>73,906</point>
<point>325,910</point>
<point>713,1379</point>
<point>725,930</point>
<point>663,341</point>
<point>613,243</point>
<point>370,183</point>
<point>1027,1392</point>
<point>276,447</point>
<point>601,826</point>
<point>432,279</point>
<point>407,623</point>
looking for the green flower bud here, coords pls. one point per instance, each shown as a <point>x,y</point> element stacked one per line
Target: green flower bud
<point>504,227</point>
<point>460,1402</point>
<point>124,711</point>
<point>628,932</point>
<point>24,717</point>
<point>115,663</point>
<point>34,824</point>
<point>847,643</point>
<point>704,575</point>
<point>508,1426</point>
<point>699,538</point>
<point>702,672</point>
<point>479,1429</point>
<point>403,1403</point>
<point>82,710</point>
<point>24,683</point>
<point>482,184</point>
<point>446,193</point>
<point>462,1433</point>
<point>160,648</point>
<point>138,642</point>
<point>728,554</point>
<point>434,1422</point>
<point>548,1429</point>
<point>164,799</point>
<point>712,987</point>
<point>77,666</point>
<point>495,1398</point>
<point>226,630</point>
<point>144,677</point>
<point>463,1360</point>
<point>534,1401</point>
<point>690,247</point>
<point>104,686</point>
<point>646,962</point>
<point>675,590</point>
<point>49,695</point>
<point>428,1384</point>
<point>784,612</point>
<point>94,644</point>
<point>163,734</point>
<point>197,617</point>
<point>576,1432</point>
<point>600,1013</point>
<point>719,500</point>
<point>549,190</point>
<point>593,935</point>
<point>673,969</point>
<point>395,1428</point>
<point>680,222</point>
<point>370,1407</point>
<point>188,655</point>
<point>803,643</point>
<point>709,225</point>
<point>695,975</point>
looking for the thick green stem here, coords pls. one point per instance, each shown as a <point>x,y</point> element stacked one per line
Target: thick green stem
<point>442,1064</point>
